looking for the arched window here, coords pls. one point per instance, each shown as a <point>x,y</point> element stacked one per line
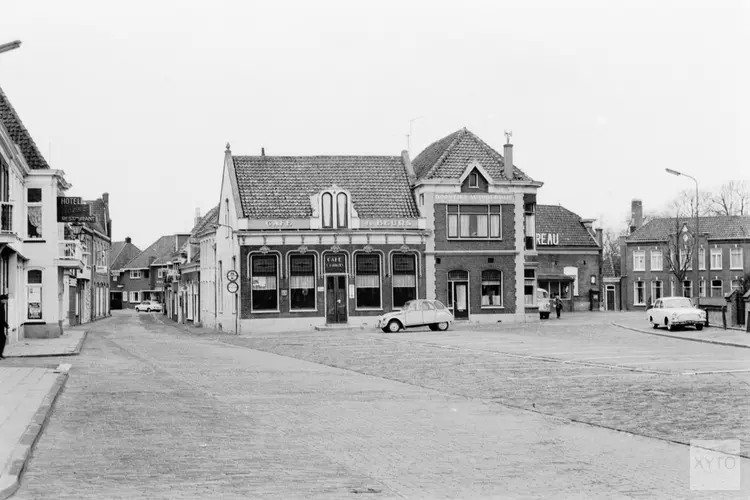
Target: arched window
<point>327,210</point>
<point>264,280</point>
<point>367,281</point>
<point>342,215</point>
<point>404,270</point>
<point>302,282</point>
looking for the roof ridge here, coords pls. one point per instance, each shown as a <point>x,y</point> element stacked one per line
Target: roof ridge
<point>27,135</point>
<point>459,134</point>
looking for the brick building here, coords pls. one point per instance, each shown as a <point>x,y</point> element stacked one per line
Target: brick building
<point>121,252</point>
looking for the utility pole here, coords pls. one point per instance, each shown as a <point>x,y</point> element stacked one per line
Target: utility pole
<point>5,47</point>
<point>408,136</point>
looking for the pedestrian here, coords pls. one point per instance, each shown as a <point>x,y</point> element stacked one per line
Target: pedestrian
<point>3,323</point>
<point>558,305</point>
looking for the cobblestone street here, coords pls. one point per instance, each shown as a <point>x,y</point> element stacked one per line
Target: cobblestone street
<point>150,411</point>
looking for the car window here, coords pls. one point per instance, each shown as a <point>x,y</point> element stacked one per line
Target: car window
<point>439,305</point>
<point>414,305</point>
<point>658,304</point>
<point>678,303</point>
<point>428,306</point>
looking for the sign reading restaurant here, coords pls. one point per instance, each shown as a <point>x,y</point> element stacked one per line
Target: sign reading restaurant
<point>73,209</point>
<point>474,199</point>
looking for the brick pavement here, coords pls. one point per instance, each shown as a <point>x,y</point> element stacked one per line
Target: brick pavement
<point>150,412</point>
<point>711,335</point>
<point>68,344</point>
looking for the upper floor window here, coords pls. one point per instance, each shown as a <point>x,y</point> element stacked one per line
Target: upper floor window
<point>474,221</point>
<point>639,260</point>
<point>473,180</point>
<point>656,260</point>
<point>34,212</point>
<point>716,258</point>
<point>327,210</point>
<point>735,258</point>
<point>335,214</point>
<point>342,204</point>
<point>701,259</point>
<point>135,274</point>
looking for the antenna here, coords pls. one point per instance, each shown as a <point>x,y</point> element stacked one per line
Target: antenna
<point>508,135</point>
<point>408,136</point>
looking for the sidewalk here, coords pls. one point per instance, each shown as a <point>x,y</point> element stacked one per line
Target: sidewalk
<point>27,395</point>
<point>711,335</point>
<point>68,344</point>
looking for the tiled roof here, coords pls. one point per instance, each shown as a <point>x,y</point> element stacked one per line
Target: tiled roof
<point>20,134</point>
<point>204,225</point>
<point>121,253</point>
<point>554,219</point>
<point>449,157</point>
<point>99,210</point>
<point>721,227</point>
<point>281,186</point>
<point>610,268</point>
<point>159,251</point>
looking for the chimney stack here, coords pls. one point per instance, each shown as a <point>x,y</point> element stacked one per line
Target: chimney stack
<point>508,159</point>
<point>105,197</point>
<point>197,216</point>
<point>600,236</point>
<point>411,174</point>
<point>263,151</point>
<point>127,239</point>
<point>636,215</point>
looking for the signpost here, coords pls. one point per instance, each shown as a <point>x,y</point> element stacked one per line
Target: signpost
<point>232,287</point>
<point>73,209</point>
<point>232,275</point>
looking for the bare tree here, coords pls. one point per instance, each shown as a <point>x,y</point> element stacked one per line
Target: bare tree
<point>733,198</point>
<point>678,249</point>
<point>683,205</point>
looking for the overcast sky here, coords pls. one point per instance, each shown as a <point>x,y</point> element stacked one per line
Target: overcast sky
<point>139,98</point>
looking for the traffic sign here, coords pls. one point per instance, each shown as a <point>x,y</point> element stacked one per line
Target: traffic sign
<point>232,287</point>
<point>232,275</point>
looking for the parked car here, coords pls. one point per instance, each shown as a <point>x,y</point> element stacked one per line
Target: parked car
<point>676,311</point>
<point>545,305</point>
<point>148,306</point>
<point>420,312</point>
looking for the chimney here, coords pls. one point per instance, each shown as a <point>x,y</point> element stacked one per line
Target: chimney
<point>127,239</point>
<point>409,167</point>
<point>197,216</point>
<point>105,197</point>
<point>636,215</point>
<point>263,151</point>
<point>600,236</point>
<point>508,160</point>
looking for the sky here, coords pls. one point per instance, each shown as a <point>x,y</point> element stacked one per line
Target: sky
<point>139,98</point>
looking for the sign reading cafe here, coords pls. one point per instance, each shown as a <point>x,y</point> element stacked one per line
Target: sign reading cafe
<point>334,263</point>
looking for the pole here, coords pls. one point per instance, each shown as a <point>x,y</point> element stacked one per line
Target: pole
<point>697,242</point>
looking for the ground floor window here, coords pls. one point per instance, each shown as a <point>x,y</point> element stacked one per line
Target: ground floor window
<point>687,289</point>
<point>639,294</point>
<point>717,288</point>
<point>529,287</point>
<point>492,288</point>
<point>736,285</point>
<point>404,279</point>
<point>264,278</point>
<point>302,282</point>
<point>556,288</point>
<point>135,297</point>
<point>656,291</point>
<point>367,281</point>
<point>34,294</point>
<point>702,288</point>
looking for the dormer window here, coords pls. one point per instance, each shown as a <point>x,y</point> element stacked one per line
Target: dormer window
<point>327,210</point>
<point>335,214</point>
<point>342,204</point>
<point>473,180</point>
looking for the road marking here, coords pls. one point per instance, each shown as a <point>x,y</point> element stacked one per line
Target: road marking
<point>711,372</point>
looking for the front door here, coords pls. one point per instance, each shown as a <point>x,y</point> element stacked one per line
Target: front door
<point>610,299</point>
<point>336,299</point>
<point>458,299</point>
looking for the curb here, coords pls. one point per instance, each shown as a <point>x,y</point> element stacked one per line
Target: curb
<point>76,352</point>
<point>10,479</point>
<point>705,341</point>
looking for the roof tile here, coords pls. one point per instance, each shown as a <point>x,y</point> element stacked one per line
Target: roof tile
<point>721,227</point>
<point>556,219</point>
<point>20,134</point>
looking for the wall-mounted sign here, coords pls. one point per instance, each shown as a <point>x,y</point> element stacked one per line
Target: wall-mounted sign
<point>399,223</point>
<point>73,209</point>
<point>334,263</point>
<point>278,224</point>
<point>101,269</point>
<point>232,287</point>
<point>351,291</point>
<point>547,239</point>
<point>232,275</point>
<point>475,199</point>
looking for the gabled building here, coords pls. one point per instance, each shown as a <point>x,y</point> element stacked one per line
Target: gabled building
<point>95,280</point>
<point>120,254</point>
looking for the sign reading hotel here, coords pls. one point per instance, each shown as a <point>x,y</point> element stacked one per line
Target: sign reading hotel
<point>334,263</point>
<point>278,224</point>
<point>402,223</point>
<point>73,209</point>
<point>547,239</point>
<point>475,199</point>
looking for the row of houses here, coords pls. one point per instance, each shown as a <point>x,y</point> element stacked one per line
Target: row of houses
<point>54,273</point>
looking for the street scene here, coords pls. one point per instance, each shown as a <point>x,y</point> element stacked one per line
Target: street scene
<point>281,250</point>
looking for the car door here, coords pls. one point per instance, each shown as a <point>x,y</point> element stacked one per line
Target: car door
<point>413,315</point>
<point>658,314</point>
<point>428,313</point>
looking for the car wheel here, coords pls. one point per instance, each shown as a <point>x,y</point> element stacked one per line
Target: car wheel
<point>654,325</point>
<point>148,310</point>
<point>443,326</point>
<point>699,326</point>
<point>385,329</point>
<point>546,315</point>
<point>394,326</point>
<point>671,327</point>
<point>433,327</point>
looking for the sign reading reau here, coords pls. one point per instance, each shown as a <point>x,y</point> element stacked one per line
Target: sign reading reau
<point>73,209</point>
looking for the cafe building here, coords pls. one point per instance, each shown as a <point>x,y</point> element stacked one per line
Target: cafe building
<point>309,241</point>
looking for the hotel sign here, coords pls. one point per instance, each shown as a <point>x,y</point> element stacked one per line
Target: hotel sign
<point>334,263</point>
<point>475,199</point>
<point>73,209</point>
<point>278,224</point>
<point>389,223</point>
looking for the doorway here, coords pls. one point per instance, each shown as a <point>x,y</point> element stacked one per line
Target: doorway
<point>610,298</point>
<point>336,302</point>
<point>458,299</point>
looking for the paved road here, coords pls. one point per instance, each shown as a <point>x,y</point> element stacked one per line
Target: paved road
<point>151,412</point>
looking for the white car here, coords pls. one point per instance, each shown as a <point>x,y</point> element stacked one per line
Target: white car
<point>420,312</point>
<point>148,306</point>
<point>676,311</point>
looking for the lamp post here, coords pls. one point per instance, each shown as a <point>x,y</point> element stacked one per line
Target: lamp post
<point>697,234</point>
<point>5,47</point>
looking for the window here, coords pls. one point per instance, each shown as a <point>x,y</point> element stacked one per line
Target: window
<point>687,289</point>
<point>639,260</point>
<point>135,275</point>
<point>492,288</point>
<point>421,200</point>
<point>367,281</point>
<point>735,258</point>
<point>135,297</point>
<point>656,290</point>
<point>716,258</point>
<point>34,211</point>
<point>473,180</point>
<point>736,285</point>
<point>220,288</point>
<point>529,287</point>
<point>342,205</point>
<point>701,259</point>
<point>656,260</point>
<point>702,288</point>
<point>571,271</point>
<point>34,294</point>
<point>160,273</point>
<point>717,288</point>
<point>327,210</point>
<point>639,293</point>
<point>302,282</point>
<point>404,270</point>
<point>264,283</point>
<point>474,221</point>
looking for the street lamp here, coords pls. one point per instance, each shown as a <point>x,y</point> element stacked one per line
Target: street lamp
<point>5,47</point>
<point>697,233</point>
<point>76,229</point>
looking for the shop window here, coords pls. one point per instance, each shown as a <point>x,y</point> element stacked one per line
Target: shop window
<point>639,260</point>
<point>34,294</point>
<point>717,288</point>
<point>302,282</point>
<point>404,270</point>
<point>716,262</point>
<point>474,221</point>
<point>656,290</point>
<point>492,287</point>
<point>264,278</point>
<point>529,287</point>
<point>639,293</point>
<point>735,258</point>
<point>657,260</point>
<point>367,281</point>
<point>34,212</point>
<point>687,289</point>
<point>571,271</point>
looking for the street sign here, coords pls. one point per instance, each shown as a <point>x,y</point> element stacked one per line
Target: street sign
<point>232,275</point>
<point>232,287</point>
<point>73,209</point>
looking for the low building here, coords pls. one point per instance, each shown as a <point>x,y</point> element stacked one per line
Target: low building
<point>190,270</point>
<point>120,254</point>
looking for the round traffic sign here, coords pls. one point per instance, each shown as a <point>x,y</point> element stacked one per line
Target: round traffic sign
<point>232,287</point>
<point>232,275</point>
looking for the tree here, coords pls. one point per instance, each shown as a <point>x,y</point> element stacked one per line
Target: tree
<point>733,198</point>
<point>678,250</point>
<point>683,205</point>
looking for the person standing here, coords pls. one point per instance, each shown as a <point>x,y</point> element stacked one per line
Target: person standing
<point>3,323</point>
<point>558,305</point>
